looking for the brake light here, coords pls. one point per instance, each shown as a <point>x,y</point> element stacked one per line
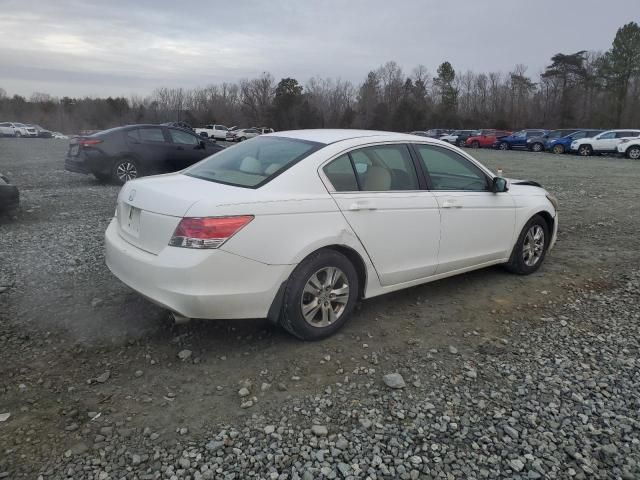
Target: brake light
<point>88,142</point>
<point>207,232</point>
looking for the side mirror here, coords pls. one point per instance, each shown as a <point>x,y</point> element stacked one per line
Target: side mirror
<point>499,185</point>
<point>202,144</point>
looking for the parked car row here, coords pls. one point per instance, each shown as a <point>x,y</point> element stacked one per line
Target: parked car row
<point>231,134</point>
<point>23,130</point>
<point>584,142</point>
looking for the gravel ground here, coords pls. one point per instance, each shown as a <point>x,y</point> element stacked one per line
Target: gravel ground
<point>486,375</point>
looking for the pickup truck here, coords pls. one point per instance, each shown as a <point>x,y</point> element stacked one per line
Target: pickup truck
<point>219,132</point>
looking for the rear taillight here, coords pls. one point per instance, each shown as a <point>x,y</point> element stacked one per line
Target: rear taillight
<point>207,232</point>
<point>89,142</point>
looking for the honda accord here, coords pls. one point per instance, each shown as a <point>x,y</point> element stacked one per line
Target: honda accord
<point>298,226</point>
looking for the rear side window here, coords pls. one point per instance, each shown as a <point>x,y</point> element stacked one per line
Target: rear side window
<point>450,171</point>
<point>341,174</point>
<point>151,134</point>
<point>627,133</point>
<point>253,163</point>
<point>385,168</point>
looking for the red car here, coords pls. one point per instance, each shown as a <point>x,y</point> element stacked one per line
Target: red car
<point>485,138</point>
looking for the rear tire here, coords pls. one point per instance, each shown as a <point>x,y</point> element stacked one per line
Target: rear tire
<point>125,169</point>
<point>475,144</point>
<point>102,177</point>
<point>530,250</point>
<point>585,150</point>
<point>320,295</point>
<point>537,147</point>
<point>633,152</point>
<point>558,149</point>
<point>460,143</point>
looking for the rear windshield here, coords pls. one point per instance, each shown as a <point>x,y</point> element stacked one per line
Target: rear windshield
<point>254,162</point>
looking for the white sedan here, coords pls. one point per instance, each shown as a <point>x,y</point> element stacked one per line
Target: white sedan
<point>298,226</point>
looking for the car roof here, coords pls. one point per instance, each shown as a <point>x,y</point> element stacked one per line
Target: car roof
<point>329,135</point>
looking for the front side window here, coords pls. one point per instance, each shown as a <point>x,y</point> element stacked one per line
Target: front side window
<point>385,168</point>
<point>151,135</point>
<point>606,136</point>
<point>450,171</point>
<point>183,138</point>
<point>252,164</point>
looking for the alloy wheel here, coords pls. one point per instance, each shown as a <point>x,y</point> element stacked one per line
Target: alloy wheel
<point>504,146</point>
<point>325,297</point>
<point>585,151</point>
<point>126,171</point>
<point>634,153</point>
<point>533,246</point>
<point>537,147</point>
<point>558,149</point>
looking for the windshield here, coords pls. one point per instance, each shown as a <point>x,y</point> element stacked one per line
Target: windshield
<point>254,162</point>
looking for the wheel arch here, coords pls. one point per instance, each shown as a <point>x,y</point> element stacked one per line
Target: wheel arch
<point>352,255</point>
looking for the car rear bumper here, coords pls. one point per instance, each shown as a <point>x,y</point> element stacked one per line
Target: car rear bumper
<point>9,197</point>
<point>76,165</point>
<point>196,283</point>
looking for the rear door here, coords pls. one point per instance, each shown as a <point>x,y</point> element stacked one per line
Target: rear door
<point>397,221</point>
<point>477,225</point>
<point>151,146</point>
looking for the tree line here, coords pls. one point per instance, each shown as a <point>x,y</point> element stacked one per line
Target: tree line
<point>579,89</point>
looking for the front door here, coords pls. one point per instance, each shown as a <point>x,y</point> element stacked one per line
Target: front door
<point>477,225</point>
<point>605,142</point>
<point>397,222</point>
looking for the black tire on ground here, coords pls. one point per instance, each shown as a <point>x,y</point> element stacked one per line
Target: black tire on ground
<point>585,150</point>
<point>475,144</point>
<point>17,134</point>
<point>633,152</point>
<point>125,169</point>
<point>503,146</point>
<point>103,177</point>
<point>517,262</point>
<point>537,147</point>
<point>558,149</point>
<point>292,318</point>
<point>460,143</point>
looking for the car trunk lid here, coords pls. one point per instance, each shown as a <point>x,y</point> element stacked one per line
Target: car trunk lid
<point>149,209</point>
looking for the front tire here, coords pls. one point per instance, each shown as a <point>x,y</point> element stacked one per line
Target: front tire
<point>475,144</point>
<point>558,149</point>
<point>531,247</point>
<point>461,143</point>
<point>585,150</point>
<point>125,169</point>
<point>17,134</point>
<point>320,295</point>
<point>503,146</point>
<point>633,152</point>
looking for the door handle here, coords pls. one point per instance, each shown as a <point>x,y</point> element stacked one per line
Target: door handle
<point>450,204</point>
<point>357,206</point>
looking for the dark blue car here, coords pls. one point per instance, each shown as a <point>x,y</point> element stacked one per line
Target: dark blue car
<point>563,144</point>
<point>518,139</point>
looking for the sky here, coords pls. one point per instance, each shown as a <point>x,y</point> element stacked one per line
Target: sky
<point>126,47</point>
